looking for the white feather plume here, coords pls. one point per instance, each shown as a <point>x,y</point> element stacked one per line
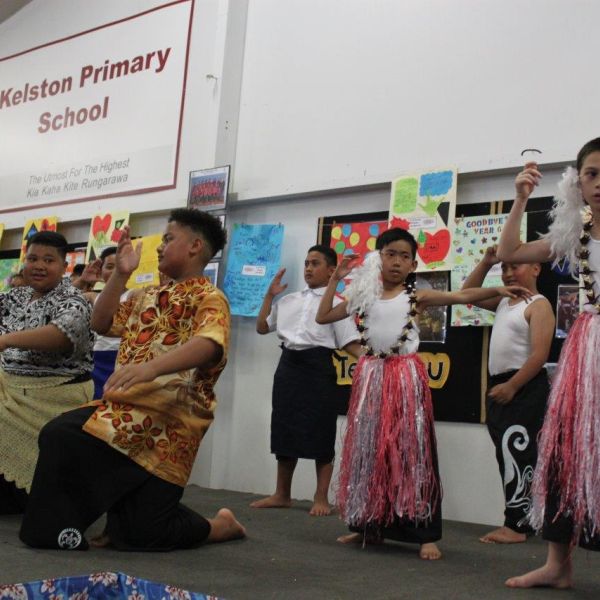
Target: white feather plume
<point>566,216</point>
<point>366,286</point>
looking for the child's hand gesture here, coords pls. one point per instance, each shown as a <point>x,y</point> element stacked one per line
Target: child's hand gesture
<point>490,258</point>
<point>92,273</point>
<point>345,266</point>
<point>503,393</point>
<point>276,286</point>
<point>514,291</point>
<point>128,257</point>
<point>527,180</point>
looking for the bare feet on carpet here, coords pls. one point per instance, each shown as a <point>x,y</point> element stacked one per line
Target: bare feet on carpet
<point>274,501</point>
<point>503,535</point>
<point>559,577</point>
<point>430,551</point>
<point>100,541</point>
<point>360,538</point>
<point>225,527</point>
<point>320,507</point>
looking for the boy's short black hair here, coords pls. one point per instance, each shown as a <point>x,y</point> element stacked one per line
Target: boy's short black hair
<point>327,252</point>
<point>49,238</point>
<point>203,223</point>
<point>78,269</point>
<point>394,235</point>
<point>108,251</point>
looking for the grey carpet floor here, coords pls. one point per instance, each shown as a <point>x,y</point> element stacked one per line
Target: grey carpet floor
<point>290,555</point>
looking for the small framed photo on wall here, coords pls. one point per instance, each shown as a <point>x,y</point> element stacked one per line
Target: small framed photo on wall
<point>208,188</point>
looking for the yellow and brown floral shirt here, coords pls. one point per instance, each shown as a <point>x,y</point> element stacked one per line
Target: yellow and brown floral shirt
<point>160,424</point>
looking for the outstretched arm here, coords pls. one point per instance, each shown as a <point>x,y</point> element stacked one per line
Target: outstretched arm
<point>327,313</point>
<point>427,298</point>
<point>275,288</point>
<point>107,303</point>
<point>196,352</point>
<point>48,338</point>
<point>541,332</point>
<point>510,247</point>
<point>477,277</point>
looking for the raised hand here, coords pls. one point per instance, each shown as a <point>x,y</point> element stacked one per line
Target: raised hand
<point>128,257</point>
<point>92,273</point>
<point>527,180</point>
<point>345,266</point>
<point>276,286</point>
<point>490,258</point>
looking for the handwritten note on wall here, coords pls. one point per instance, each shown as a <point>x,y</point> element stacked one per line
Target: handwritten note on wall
<point>252,261</point>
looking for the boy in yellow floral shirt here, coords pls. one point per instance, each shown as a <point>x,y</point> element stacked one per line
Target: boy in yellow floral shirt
<point>130,454</point>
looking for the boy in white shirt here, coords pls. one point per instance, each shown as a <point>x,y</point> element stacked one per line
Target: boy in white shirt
<point>304,417</point>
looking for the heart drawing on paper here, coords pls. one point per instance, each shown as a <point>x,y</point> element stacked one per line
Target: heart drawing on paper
<point>435,247</point>
<point>101,224</point>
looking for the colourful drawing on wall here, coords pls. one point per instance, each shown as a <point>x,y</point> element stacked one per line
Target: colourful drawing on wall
<point>211,272</point>
<point>105,230</point>
<point>8,267</point>
<point>425,204</point>
<point>147,271</point>
<point>32,227</point>
<point>252,262</point>
<point>355,238</point>
<point>472,235</point>
<point>75,257</point>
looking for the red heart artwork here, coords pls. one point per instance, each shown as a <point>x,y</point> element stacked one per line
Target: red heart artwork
<point>101,224</point>
<point>435,248</point>
<point>401,223</point>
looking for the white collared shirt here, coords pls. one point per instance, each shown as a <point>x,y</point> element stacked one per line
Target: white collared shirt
<point>293,317</point>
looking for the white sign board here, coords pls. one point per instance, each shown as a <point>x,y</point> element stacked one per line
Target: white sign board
<point>97,114</point>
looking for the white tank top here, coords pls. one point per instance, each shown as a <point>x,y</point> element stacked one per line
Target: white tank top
<point>594,263</point>
<point>386,320</point>
<point>510,344</point>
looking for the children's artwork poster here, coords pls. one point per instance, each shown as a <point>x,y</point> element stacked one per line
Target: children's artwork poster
<point>105,231</point>
<point>425,204</point>
<point>252,262</point>
<point>472,236</point>
<point>208,188</point>
<point>354,238</point>
<point>211,272</point>
<point>567,308</point>
<point>8,267</point>
<point>432,322</point>
<point>147,271</point>
<point>1,230</point>
<point>74,257</point>
<point>32,227</point>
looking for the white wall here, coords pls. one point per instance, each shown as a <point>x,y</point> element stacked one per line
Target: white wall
<point>235,454</point>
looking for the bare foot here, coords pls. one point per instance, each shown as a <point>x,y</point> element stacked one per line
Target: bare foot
<point>503,535</point>
<point>100,541</point>
<point>430,551</point>
<point>560,577</point>
<point>360,538</point>
<point>320,508</point>
<point>224,527</point>
<point>273,501</point>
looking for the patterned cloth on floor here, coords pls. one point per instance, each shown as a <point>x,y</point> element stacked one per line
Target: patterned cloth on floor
<point>97,586</point>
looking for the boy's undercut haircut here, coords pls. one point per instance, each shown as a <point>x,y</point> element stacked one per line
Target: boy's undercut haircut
<point>49,238</point>
<point>206,225</point>
<point>396,234</point>
<point>586,150</point>
<point>109,251</point>
<point>328,253</point>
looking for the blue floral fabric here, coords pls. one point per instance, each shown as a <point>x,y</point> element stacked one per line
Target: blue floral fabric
<point>97,586</point>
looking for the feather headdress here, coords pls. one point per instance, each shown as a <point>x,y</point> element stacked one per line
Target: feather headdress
<point>366,286</point>
<point>566,214</point>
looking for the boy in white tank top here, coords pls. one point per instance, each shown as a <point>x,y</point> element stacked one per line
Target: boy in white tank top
<point>518,387</point>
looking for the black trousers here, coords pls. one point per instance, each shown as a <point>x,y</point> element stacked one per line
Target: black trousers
<point>79,477</point>
<point>514,429</point>
<point>12,499</point>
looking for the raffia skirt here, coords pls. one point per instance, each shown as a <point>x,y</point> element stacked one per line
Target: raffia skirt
<point>26,405</point>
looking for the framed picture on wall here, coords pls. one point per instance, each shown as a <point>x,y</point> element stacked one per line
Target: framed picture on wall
<point>208,188</point>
